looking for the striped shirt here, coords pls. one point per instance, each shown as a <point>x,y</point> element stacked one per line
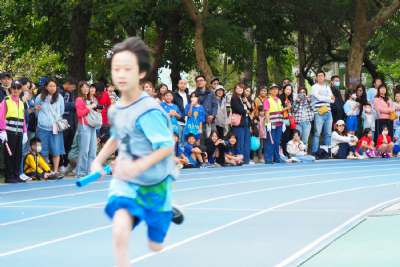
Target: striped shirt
<point>321,95</point>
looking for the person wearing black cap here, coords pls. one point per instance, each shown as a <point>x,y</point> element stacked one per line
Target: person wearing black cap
<point>13,132</point>
<point>5,80</point>
<point>274,121</point>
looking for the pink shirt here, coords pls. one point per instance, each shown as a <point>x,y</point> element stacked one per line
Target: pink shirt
<point>3,113</point>
<point>383,108</point>
<point>81,110</point>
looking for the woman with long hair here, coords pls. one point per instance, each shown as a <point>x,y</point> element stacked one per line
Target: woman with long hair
<point>49,105</point>
<point>287,102</point>
<point>84,104</point>
<point>383,106</point>
<point>240,106</point>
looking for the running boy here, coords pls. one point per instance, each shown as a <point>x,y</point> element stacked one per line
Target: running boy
<point>144,169</point>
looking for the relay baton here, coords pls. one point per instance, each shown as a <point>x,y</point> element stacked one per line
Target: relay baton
<point>8,149</point>
<point>92,177</point>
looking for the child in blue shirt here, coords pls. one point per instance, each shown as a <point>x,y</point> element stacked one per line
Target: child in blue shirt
<point>196,117</point>
<point>193,152</point>
<point>171,109</point>
<point>144,169</point>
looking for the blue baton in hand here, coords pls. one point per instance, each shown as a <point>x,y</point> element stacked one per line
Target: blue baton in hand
<point>92,177</point>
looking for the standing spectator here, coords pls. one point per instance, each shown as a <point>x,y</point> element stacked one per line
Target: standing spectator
<point>241,106</point>
<point>322,97</point>
<point>396,106</point>
<point>259,100</point>
<point>208,100</point>
<point>343,144</point>
<point>196,117</point>
<point>172,110</point>
<point>13,132</point>
<point>49,105</point>
<point>104,101</point>
<point>113,95</point>
<point>87,134</point>
<point>262,132</point>
<point>273,107</point>
<point>361,94</point>
<point>368,117</point>
<point>148,87</point>
<point>181,99</point>
<point>337,105</point>
<point>383,106</point>
<point>29,102</point>
<point>352,110</point>
<point>287,102</point>
<point>68,93</point>
<point>221,119</point>
<point>161,90</point>
<point>5,80</point>
<point>215,83</point>
<point>371,92</point>
<point>303,114</point>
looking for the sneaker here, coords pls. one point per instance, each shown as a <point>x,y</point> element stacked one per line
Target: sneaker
<point>178,217</point>
<point>25,177</point>
<point>252,162</point>
<point>63,169</point>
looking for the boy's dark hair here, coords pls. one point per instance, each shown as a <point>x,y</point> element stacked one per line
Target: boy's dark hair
<point>70,80</point>
<point>34,141</point>
<point>375,79</point>
<point>136,46</point>
<point>334,77</point>
<point>295,131</point>
<point>366,131</point>
<point>367,104</point>
<point>321,71</point>
<point>189,135</point>
<point>200,76</point>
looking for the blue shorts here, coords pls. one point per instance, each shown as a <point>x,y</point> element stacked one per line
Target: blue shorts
<point>158,222</point>
<point>352,123</point>
<point>51,143</point>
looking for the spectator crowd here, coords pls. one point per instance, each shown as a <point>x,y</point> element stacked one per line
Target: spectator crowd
<point>53,128</point>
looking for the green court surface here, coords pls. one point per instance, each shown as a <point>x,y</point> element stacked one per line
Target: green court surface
<point>374,242</point>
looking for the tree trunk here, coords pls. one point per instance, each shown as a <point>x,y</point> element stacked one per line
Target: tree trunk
<point>301,49</point>
<point>197,18</point>
<point>158,53</point>
<point>362,31</point>
<point>176,37</point>
<point>262,70</point>
<point>371,67</point>
<point>200,52</point>
<point>80,22</point>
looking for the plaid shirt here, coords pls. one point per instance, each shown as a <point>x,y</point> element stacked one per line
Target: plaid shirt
<point>302,111</point>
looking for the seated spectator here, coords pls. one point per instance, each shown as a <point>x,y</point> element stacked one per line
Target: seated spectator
<point>232,156</point>
<point>35,166</point>
<point>181,160</point>
<point>297,150</point>
<point>342,143</point>
<point>197,158</point>
<point>384,144</point>
<point>196,117</point>
<point>215,149</point>
<point>366,145</point>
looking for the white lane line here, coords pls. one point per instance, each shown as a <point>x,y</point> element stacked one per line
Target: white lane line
<point>279,210</point>
<point>13,222</point>
<point>93,230</point>
<point>328,236</point>
<point>212,178</point>
<point>291,168</point>
<point>251,216</point>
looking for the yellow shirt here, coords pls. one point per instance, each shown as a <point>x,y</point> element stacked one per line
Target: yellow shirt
<point>30,164</point>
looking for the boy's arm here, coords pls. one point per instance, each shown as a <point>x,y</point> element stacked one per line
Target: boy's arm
<point>108,149</point>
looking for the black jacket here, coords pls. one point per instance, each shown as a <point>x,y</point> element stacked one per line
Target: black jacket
<point>178,100</point>
<point>208,100</point>
<point>237,107</point>
<point>337,106</point>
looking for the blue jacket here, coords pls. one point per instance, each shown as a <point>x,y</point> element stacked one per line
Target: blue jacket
<point>49,113</point>
<point>208,100</point>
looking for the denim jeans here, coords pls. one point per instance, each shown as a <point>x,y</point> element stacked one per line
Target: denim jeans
<point>305,158</point>
<point>322,125</point>
<point>271,150</point>
<point>304,128</point>
<point>243,142</point>
<point>87,149</point>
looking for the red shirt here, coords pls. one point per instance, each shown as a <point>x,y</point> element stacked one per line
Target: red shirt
<point>362,140</point>
<point>81,110</point>
<point>104,100</point>
<point>380,140</point>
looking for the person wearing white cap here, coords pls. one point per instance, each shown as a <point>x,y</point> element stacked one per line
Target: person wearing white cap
<point>343,144</point>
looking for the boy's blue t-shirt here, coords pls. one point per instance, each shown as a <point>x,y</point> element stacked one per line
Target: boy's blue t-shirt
<point>231,150</point>
<point>168,107</point>
<point>187,150</point>
<point>193,122</point>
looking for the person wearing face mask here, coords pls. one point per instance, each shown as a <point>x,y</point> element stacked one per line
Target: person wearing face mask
<point>352,110</point>
<point>337,106</point>
<point>35,166</point>
<point>368,118</point>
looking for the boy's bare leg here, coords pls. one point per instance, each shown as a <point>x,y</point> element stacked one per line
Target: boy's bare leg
<point>156,247</point>
<point>121,231</point>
